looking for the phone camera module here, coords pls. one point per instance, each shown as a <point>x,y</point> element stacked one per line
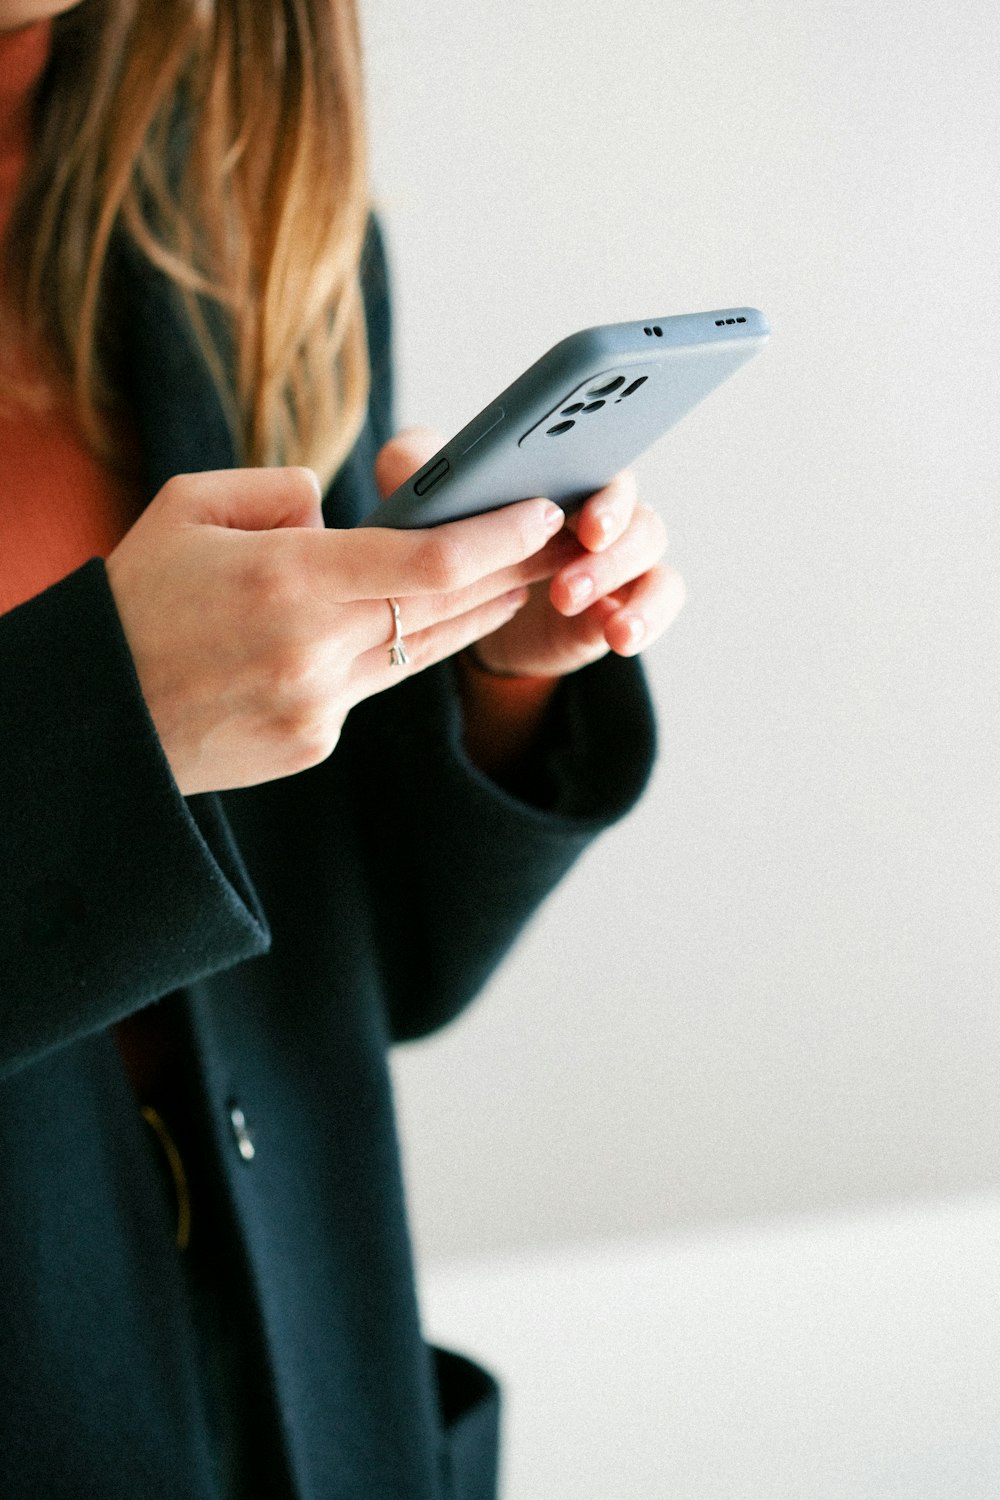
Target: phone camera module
<point>605,390</point>
<point>633,387</point>
<point>561,427</point>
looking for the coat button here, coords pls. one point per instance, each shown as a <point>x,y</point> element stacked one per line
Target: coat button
<point>53,908</point>
<point>244,1140</point>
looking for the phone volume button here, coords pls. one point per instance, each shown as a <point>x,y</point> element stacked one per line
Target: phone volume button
<point>431,476</point>
<point>483,424</point>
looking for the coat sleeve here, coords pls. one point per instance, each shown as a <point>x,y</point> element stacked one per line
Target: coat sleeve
<point>455,866</point>
<point>116,890</point>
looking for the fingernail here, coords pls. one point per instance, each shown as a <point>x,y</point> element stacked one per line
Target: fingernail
<point>605,524</point>
<point>579,589</point>
<point>553,518</point>
<point>517,597</point>
<point>636,632</point>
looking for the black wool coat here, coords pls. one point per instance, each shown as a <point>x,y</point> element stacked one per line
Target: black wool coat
<point>291,933</point>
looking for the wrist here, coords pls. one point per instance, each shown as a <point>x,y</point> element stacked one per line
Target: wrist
<point>470,655</point>
<point>503,714</point>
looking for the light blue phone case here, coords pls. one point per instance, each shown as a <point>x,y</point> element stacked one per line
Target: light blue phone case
<point>581,413</point>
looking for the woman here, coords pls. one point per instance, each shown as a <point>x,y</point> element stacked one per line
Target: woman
<point>246,846</point>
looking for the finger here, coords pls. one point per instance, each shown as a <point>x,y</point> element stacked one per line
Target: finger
<point>607,514</point>
<point>375,562</point>
<point>372,672</point>
<point>403,455</point>
<point>651,605</point>
<point>576,586</point>
<point>371,619</point>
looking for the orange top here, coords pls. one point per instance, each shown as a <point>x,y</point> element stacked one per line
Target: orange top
<point>59,504</point>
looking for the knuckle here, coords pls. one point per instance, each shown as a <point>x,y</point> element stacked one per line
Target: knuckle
<point>304,483</point>
<point>172,492</point>
<point>306,734</point>
<point>303,491</point>
<point>440,564</point>
<point>269,587</point>
<point>291,670</point>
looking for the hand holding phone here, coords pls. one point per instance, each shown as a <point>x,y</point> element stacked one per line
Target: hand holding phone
<point>567,429</point>
<point>611,549</point>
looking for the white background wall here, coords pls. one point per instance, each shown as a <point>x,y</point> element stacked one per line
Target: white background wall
<point>774,988</point>
<point>840,1357</point>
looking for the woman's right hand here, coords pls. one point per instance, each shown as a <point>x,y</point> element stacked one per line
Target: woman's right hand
<point>254,630</point>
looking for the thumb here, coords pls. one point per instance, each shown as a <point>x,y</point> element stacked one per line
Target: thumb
<point>403,455</point>
<point>248,499</point>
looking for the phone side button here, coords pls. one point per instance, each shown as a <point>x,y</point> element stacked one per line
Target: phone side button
<point>430,477</point>
<point>478,429</point>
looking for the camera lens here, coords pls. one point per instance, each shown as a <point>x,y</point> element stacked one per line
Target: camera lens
<point>605,390</point>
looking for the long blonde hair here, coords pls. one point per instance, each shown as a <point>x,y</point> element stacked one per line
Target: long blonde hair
<point>226,139</point>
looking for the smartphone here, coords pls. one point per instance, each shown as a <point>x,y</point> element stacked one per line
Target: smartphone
<point>577,416</point>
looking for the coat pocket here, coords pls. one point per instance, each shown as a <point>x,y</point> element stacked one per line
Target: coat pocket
<point>469,1402</point>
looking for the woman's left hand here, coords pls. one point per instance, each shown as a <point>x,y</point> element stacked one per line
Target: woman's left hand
<point>605,587</point>
<point>612,593</point>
